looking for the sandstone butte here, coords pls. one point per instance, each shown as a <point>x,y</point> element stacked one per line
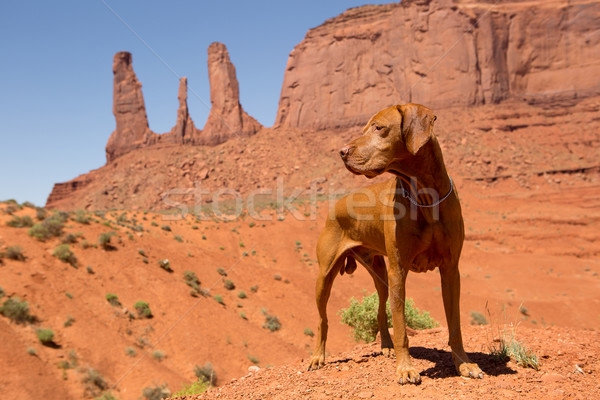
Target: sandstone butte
<point>443,53</point>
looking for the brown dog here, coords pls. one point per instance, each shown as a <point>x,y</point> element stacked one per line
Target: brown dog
<point>414,219</point>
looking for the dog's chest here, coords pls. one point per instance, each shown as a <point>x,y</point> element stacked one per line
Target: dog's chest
<point>427,260</point>
<point>430,251</point>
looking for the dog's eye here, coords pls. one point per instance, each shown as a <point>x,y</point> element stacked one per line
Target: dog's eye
<point>378,128</point>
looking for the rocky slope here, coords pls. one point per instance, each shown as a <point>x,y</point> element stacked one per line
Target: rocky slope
<point>440,53</point>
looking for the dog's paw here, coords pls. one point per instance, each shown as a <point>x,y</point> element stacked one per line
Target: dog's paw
<point>470,370</point>
<point>406,375</point>
<point>388,352</point>
<point>316,362</point>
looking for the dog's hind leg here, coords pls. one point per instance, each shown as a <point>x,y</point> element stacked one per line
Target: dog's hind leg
<point>330,265</point>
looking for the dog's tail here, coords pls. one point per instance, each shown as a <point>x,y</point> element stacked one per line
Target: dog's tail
<point>350,266</point>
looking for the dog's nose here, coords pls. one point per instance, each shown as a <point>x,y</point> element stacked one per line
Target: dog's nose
<point>344,152</point>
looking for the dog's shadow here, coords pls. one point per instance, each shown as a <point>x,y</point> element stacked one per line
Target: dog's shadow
<point>444,365</point>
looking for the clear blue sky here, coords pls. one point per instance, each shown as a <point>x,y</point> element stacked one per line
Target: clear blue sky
<point>56,72</point>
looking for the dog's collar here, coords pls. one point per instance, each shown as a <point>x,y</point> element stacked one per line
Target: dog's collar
<point>406,194</point>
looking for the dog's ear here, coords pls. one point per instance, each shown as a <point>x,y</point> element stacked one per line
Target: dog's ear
<point>417,126</point>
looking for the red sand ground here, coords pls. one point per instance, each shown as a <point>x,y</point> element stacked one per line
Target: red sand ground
<point>536,248</point>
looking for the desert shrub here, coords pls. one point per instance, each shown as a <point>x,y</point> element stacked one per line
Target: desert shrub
<point>40,214</point>
<point>69,238</point>
<point>130,351</point>
<point>104,240</point>
<point>253,359</point>
<point>478,318</point>
<point>106,396</point>
<point>197,387</point>
<point>165,264</point>
<point>221,271</point>
<point>254,288</point>
<point>142,253</point>
<point>45,336</point>
<point>309,332</point>
<point>82,217</point>
<point>31,351</point>
<point>166,228</point>
<point>156,392</point>
<point>14,253</point>
<point>16,310</point>
<point>69,321</point>
<point>86,245</point>
<point>63,253</point>
<point>20,222</point>
<point>219,299</point>
<point>362,317</point>
<point>28,204</point>
<point>94,382</point>
<point>508,347</point>
<point>113,299</point>
<point>49,227</point>
<point>243,315</point>
<point>178,238</point>
<point>11,208</point>
<point>90,270</point>
<point>277,277</point>
<point>143,309</point>
<point>242,294</point>
<point>2,293</point>
<point>206,373</point>
<point>271,322</point>
<point>229,285</point>
<point>190,279</point>
<point>158,355</point>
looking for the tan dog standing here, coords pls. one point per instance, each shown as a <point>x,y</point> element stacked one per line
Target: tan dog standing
<point>414,220</point>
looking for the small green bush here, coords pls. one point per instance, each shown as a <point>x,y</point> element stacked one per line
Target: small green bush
<point>219,299</point>
<point>254,288</point>
<point>229,285</point>
<point>113,299</point>
<point>69,238</point>
<point>45,336</point>
<point>197,387</point>
<point>478,318</point>
<point>90,270</point>
<point>242,295</point>
<point>206,374</point>
<point>2,293</point>
<point>156,392</point>
<point>253,359</point>
<point>508,347</point>
<point>142,253</point>
<point>158,355</point>
<point>165,264</point>
<point>130,351</point>
<point>16,310</point>
<point>82,217</point>
<point>69,321</point>
<point>14,253</point>
<point>20,222</point>
<point>362,317</point>
<point>49,227</point>
<point>63,253</point>
<point>94,383</point>
<point>277,277</point>
<point>40,214</point>
<point>178,238</point>
<point>190,279</point>
<point>104,240</point>
<point>271,322</point>
<point>31,351</point>
<point>166,228</point>
<point>106,396</point>
<point>309,332</point>
<point>221,271</point>
<point>143,309</point>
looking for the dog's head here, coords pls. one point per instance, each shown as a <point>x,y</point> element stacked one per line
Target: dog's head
<point>393,134</point>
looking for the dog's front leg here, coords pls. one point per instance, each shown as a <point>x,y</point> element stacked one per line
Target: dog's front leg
<point>451,295</point>
<point>405,372</point>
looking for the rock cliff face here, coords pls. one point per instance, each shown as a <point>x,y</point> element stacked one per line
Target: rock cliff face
<point>442,53</point>
<point>184,131</point>
<point>128,107</point>
<point>227,118</point>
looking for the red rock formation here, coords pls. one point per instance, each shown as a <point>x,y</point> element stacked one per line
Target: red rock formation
<point>227,118</point>
<point>184,131</point>
<point>441,53</point>
<point>128,107</point>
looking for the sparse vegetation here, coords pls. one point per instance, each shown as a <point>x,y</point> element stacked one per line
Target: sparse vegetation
<point>2,293</point>
<point>166,228</point>
<point>309,332</point>
<point>20,222</point>
<point>69,238</point>
<point>156,392</point>
<point>131,352</point>
<point>142,253</point>
<point>253,359</point>
<point>158,355</point>
<point>113,299</point>
<point>221,271</point>
<point>82,217</point>
<point>45,336</point>
<point>229,285</point>
<point>178,238</point>
<point>16,310</point>
<point>254,288</point>
<point>49,227</point>
<point>143,309</point>
<point>206,373</point>
<point>40,214</point>
<point>14,253</point>
<point>94,382</point>
<point>507,347</point>
<point>271,322</point>
<point>242,294</point>
<point>362,317</point>
<point>31,351</point>
<point>104,240</point>
<point>190,279</point>
<point>106,396</point>
<point>63,253</point>
<point>277,277</point>
<point>478,318</point>
<point>219,299</point>
<point>69,321</point>
<point>165,264</point>
<point>90,270</point>
<point>196,387</point>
